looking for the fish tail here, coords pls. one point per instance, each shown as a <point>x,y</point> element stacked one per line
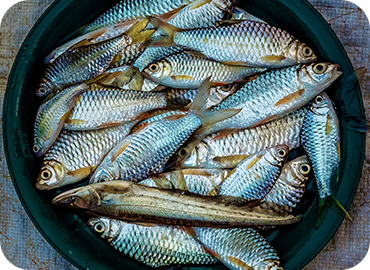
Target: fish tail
<point>324,204</point>
<point>137,32</point>
<point>168,29</point>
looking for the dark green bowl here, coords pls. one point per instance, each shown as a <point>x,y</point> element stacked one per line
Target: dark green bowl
<point>66,231</point>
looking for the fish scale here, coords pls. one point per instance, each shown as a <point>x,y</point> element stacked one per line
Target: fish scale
<point>154,245</point>
<point>248,141</point>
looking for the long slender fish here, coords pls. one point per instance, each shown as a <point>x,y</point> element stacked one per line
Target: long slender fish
<point>85,63</point>
<point>244,43</point>
<point>127,200</point>
<point>320,138</point>
<point>51,116</point>
<point>227,151</point>
<point>153,245</point>
<point>76,154</point>
<point>184,70</point>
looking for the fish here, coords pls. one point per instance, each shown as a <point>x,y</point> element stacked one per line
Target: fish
<point>320,137</point>
<point>240,14</point>
<point>51,116</point>
<point>147,151</point>
<point>227,151</point>
<point>238,248</point>
<point>101,107</point>
<point>289,188</point>
<point>254,177</point>
<point>275,93</point>
<point>246,43</point>
<point>85,63</point>
<point>150,244</point>
<point>75,155</point>
<point>188,71</point>
<point>125,200</point>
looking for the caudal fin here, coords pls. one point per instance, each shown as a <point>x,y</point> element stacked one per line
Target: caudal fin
<point>168,29</point>
<point>325,204</point>
<point>138,33</point>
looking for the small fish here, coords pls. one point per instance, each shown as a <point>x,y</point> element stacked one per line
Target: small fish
<point>127,200</point>
<point>227,151</point>
<point>188,71</point>
<point>247,43</point>
<point>239,248</point>
<point>254,177</point>
<point>274,94</point>
<point>153,245</point>
<point>75,155</point>
<point>85,63</point>
<point>101,107</point>
<point>147,151</point>
<point>51,116</point>
<point>320,138</point>
<point>290,186</point>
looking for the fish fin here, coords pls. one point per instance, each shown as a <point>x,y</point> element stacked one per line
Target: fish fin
<point>214,254</point>
<point>137,32</point>
<point>239,263</point>
<point>174,117</point>
<point>190,231</point>
<point>80,173</point>
<point>290,98</point>
<point>229,161</point>
<point>105,78</point>
<point>214,191</point>
<point>158,88</point>
<point>107,125</point>
<point>115,59</point>
<point>182,77</point>
<point>324,205</point>
<point>228,22</point>
<point>171,14</point>
<point>200,101</point>
<point>75,122</point>
<point>236,63</point>
<point>328,125</point>
<point>253,162</point>
<point>223,133</point>
<point>162,182</point>
<point>195,54</point>
<point>178,180</point>
<point>143,224</point>
<point>201,172</point>
<point>263,121</point>
<point>199,4</point>
<point>273,58</point>
<point>169,29</point>
<point>120,151</point>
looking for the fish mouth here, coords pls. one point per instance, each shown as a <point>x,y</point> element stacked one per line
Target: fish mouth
<point>71,199</point>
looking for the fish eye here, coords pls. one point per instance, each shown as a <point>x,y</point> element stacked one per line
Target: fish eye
<point>99,228</point>
<point>46,174</point>
<point>102,179</point>
<point>307,51</point>
<point>36,148</point>
<point>319,68</point>
<point>43,91</point>
<point>281,153</point>
<point>182,152</point>
<point>319,99</point>
<point>304,169</point>
<point>154,67</point>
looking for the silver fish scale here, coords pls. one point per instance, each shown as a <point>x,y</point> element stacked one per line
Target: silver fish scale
<point>81,149</point>
<point>321,149</point>
<point>158,245</point>
<point>253,183</point>
<point>201,68</point>
<point>101,106</point>
<point>81,64</point>
<point>134,9</point>
<point>246,245</point>
<point>149,150</point>
<point>258,97</point>
<point>249,141</point>
<point>130,54</point>
<point>247,41</point>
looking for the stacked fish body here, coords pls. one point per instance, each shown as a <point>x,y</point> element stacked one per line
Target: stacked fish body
<point>195,132</point>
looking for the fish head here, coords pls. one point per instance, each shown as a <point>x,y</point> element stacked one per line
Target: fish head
<point>86,197</point>
<point>52,175</point>
<point>44,88</point>
<point>106,227</point>
<point>105,173</point>
<point>318,76</point>
<point>321,105</point>
<point>277,155</point>
<point>300,53</point>
<point>158,71</point>
<point>223,4</point>
<point>298,169</point>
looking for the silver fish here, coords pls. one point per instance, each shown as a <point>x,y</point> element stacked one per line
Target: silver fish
<point>153,245</point>
<point>76,154</point>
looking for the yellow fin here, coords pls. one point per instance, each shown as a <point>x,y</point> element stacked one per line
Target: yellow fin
<point>214,254</point>
<point>190,231</point>
<point>169,29</point>
<point>339,155</point>
<point>75,122</point>
<point>106,125</point>
<point>202,172</point>
<point>230,161</point>
<point>328,125</point>
<point>199,4</point>
<point>239,263</point>
<point>178,181</point>
<point>253,162</point>
<point>169,15</point>
<point>161,181</point>
<point>273,58</point>
<point>137,32</point>
<point>81,173</point>
<point>290,98</point>
<point>120,151</point>
<point>182,77</point>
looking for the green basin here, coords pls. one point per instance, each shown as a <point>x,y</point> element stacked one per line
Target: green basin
<point>66,231</point>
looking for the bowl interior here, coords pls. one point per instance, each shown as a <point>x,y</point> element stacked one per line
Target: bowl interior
<point>67,232</point>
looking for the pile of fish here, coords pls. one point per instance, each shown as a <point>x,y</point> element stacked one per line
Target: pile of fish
<point>181,114</point>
